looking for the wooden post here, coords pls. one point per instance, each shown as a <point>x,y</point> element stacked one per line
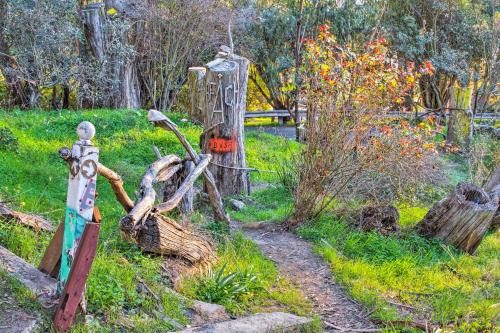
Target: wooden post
<point>82,160</point>
<point>223,101</point>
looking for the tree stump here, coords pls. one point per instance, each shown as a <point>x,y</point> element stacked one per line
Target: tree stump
<point>462,218</point>
<point>384,219</point>
<point>218,100</point>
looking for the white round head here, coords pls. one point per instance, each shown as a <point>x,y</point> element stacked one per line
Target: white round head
<point>85,130</point>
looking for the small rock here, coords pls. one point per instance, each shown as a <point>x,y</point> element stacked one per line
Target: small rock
<point>209,313</point>
<point>236,204</point>
<point>257,323</point>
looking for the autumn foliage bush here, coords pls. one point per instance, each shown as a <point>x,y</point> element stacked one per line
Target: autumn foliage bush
<point>353,150</point>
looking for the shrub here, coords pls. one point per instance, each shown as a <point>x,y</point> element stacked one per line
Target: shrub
<point>352,149</point>
<point>8,141</point>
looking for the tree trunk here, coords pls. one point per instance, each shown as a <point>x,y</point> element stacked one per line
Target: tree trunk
<point>452,115</point>
<point>298,62</point>
<point>224,105</point>
<point>196,84</point>
<point>493,184</point>
<point>462,218</point>
<point>124,89</point>
<point>93,22</point>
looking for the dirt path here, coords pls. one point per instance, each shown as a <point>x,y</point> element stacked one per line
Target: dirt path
<point>296,260</point>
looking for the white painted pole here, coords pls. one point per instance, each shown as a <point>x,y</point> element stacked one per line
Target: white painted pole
<point>81,194</point>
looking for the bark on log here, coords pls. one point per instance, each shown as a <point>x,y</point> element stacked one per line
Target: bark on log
<point>33,221</point>
<point>159,119</point>
<point>162,235</point>
<point>462,218</point>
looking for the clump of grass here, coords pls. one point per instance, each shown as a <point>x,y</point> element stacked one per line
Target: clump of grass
<point>444,285</point>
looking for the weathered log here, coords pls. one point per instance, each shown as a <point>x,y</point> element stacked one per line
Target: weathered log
<point>147,194</point>
<point>186,206</point>
<point>173,183</point>
<point>384,219</point>
<point>186,185</point>
<point>159,119</point>
<point>162,235</point>
<point>159,234</point>
<point>33,221</point>
<point>462,218</point>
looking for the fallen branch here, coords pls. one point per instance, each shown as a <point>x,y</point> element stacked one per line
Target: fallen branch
<point>159,234</point>
<point>160,120</point>
<point>33,221</point>
<point>147,194</point>
<point>424,326</point>
<point>186,185</point>
<point>116,183</point>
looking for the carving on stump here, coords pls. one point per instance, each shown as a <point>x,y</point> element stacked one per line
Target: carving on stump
<point>462,218</point>
<point>218,100</point>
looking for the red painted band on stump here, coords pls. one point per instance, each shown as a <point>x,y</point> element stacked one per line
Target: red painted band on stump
<point>221,145</point>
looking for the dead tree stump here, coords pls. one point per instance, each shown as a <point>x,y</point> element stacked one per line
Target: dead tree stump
<point>462,218</point>
<point>384,219</point>
<point>218,100</point>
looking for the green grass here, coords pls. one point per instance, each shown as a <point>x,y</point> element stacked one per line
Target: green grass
<point>273,203</point>
<point>34,179</point>
<point>438,282</point>
<point>269,292</point>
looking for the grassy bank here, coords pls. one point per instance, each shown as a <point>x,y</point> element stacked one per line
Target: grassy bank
<point>400,277</point>
<point>34,179</point>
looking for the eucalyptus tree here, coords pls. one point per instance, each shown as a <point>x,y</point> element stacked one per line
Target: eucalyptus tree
<point>38,47</point>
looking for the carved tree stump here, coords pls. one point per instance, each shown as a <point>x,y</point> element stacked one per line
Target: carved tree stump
<point>384,219</point>
<point>462,218</point>
<point>218,100</point>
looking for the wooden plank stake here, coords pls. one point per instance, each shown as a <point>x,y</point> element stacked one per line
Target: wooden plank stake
<point>51,261</point>
<point>75,285</point>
